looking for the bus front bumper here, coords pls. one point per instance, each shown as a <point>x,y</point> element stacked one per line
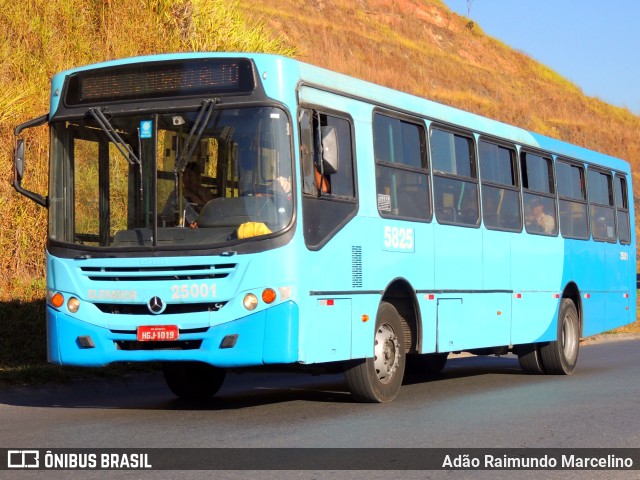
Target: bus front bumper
<point>266,337</point>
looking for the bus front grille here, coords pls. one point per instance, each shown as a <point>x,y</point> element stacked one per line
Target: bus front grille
<point>172,308</point>
<point>146,274</point>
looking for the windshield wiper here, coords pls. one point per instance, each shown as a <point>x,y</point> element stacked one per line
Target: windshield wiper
<point>197,129</point>
<point>124,148</point>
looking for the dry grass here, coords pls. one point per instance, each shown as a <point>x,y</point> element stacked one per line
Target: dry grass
<point>421,47</point>
<point>38,38</point>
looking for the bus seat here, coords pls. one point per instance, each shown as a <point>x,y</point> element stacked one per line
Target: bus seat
<point>232,212</point>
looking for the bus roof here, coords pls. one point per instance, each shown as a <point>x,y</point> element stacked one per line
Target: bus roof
<point>306,74</point>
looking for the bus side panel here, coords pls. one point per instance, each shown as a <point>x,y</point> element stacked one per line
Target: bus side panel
<point>585,258</point>
<point>469,315</point>
<point>537,261</point>
<point>281,334</point>
<point>428,310</point>
<point>473,321</point>
<point>617,274</point>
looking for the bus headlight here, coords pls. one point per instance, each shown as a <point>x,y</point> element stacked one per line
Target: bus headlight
<point>73,304</point>
<point>250,301</point>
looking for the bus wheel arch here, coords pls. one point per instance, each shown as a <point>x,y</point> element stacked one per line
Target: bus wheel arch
<point>402,296</point>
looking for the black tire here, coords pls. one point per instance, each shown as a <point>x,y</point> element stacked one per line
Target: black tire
<point>378,379</point>
<point>193,380</point>
<point>530,358</point>
<point>429,364</point>
<point>561,356</point>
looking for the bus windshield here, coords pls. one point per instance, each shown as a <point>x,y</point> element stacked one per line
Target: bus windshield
<point>204,177</point>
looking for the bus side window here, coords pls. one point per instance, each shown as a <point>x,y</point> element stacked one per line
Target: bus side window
<point>500,189</point>
<point>455,178</point>
<point>322,135</point>
<point>574,221</point>
<point>402,175</point>
<point>539,194</point>
<point>622,210</point>
<point>601,205</point>
<point>328,184</point>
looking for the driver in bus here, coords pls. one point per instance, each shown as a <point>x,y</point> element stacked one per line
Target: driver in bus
<point>194,196</point>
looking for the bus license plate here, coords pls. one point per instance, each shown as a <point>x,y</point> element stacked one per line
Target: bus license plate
<point>157,333</point>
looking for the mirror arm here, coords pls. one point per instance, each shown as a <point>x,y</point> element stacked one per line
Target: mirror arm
<point>17,172</point>
<point>36,197</point>
<point>36,122</point>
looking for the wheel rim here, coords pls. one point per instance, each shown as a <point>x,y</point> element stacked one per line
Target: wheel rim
<point>569,337</point>
<point>387,353</point>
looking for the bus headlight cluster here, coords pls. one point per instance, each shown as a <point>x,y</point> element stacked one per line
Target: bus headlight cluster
<point>56,300</point>
<point>251,302</point>
<point>73,304</point>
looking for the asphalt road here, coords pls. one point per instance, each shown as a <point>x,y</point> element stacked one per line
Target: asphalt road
<point>476,402</point>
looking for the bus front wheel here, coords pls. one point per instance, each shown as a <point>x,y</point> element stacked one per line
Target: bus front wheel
<point>193,380</point>
<point>378,379</point>
<point>561,356</point>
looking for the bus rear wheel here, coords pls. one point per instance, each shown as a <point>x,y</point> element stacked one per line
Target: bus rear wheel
<point>193,380</point>
<point>530,358</point>
<point>378,379</point>
<point>561,356</point>
<point>427,364</point>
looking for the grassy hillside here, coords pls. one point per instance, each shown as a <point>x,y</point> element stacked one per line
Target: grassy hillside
<point>38,39</point>
<point>421,47</point>
<point>418,46</point>
<point>42,37</point>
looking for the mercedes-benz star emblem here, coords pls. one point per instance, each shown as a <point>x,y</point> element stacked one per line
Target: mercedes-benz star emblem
<point>156,305</point>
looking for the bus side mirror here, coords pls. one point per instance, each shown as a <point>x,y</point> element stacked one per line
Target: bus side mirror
<point>18,160</point>
<point>329,150</point>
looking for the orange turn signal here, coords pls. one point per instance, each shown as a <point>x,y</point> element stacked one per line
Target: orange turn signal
<point>268,295</point>
<point>57,300</point>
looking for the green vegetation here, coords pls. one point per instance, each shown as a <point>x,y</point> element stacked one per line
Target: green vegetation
<point>417,46</point>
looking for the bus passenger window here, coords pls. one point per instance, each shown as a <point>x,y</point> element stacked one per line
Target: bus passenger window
<point>539,194</point>
<point>622,207</point>
<point>402,176</point>
<point>601,205</point>
<point>455,178</point>
<point>574,221</point>
<point>500,189</point>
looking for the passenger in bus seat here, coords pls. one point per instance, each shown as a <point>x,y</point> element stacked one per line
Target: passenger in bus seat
<point>600,228</point>
<point>541,221</point>
<point>322,181</point>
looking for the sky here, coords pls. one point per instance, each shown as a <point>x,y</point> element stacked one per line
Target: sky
<point>595,44</point>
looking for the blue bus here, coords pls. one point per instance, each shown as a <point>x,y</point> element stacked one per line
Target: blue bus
<point>215,211</point>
